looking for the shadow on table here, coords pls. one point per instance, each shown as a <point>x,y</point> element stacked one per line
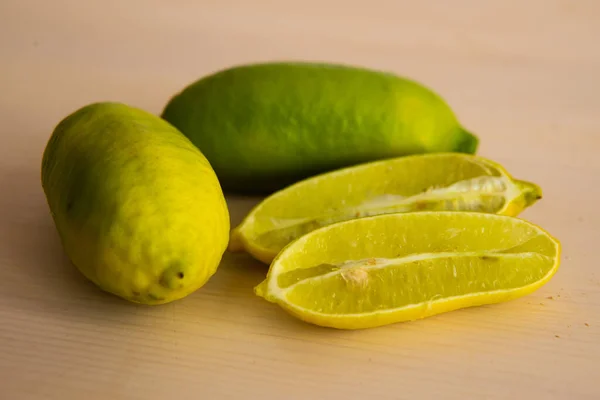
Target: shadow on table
<point>39,279</point>
<point>38,275</point>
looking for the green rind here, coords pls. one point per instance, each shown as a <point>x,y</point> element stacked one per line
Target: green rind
<point>265,126</point>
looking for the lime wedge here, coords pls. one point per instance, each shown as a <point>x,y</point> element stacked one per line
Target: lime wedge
<point>432,182</point>
<point>390,268</point>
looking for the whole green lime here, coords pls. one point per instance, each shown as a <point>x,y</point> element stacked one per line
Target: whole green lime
<point>138,208</point>
<point>264,126</point>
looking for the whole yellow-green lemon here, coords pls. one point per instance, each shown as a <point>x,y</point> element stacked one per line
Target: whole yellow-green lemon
<point>138,208</point>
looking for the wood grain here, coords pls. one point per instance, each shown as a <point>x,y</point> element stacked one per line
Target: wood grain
<point>522,75</point>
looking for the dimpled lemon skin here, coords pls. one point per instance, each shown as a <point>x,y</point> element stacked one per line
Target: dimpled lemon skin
<point>265,126</point>
<point>138,208</point>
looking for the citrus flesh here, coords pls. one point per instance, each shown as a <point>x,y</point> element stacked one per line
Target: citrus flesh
<point>390,268</point>
<point>264,126</point>
<point>137,206</point>
<point>431,182</point>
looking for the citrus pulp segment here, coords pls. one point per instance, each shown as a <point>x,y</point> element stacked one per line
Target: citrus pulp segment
<point>432,182</point>
<point>397,267</point>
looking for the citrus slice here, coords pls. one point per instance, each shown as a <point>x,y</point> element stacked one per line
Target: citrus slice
<point>374,271</point>
<point>432,182</point>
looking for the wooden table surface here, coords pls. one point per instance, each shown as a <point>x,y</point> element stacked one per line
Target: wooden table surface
<point>523,75</point>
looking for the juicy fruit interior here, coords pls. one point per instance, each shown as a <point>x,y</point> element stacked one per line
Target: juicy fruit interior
<point>428,185</point>
<point>378,264</point>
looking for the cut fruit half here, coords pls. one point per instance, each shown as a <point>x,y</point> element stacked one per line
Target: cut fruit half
<point>430,182</point>
<point>390,268</point>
